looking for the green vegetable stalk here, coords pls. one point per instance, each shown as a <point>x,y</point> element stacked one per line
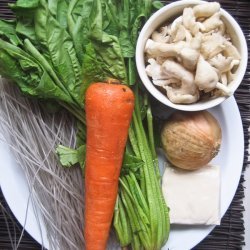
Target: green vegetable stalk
<point>54,50</point>
<point>139,195</point>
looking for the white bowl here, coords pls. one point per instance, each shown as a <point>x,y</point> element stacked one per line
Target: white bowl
<point>174,10</point>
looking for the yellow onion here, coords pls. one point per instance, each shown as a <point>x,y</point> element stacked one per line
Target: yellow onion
<point>191,139</point>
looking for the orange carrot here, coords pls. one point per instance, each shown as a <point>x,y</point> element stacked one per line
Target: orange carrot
<point>109,109</point>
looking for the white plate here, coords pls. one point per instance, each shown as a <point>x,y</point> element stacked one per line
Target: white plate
<point>16,192</point>
<point>230,159</point>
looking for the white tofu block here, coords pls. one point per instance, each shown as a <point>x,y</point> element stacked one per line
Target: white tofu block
<point>193,196</point>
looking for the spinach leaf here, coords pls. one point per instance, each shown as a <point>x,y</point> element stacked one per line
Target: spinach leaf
<point>40,22</point>
<point>64,59</point>
<point>7,30</point>
<point>94,69</point>
<point>157,4</point>
<point>119,16</point>
<point>29,75</point>
<point>69,157</point>
<point>78,24</point>
<point>24,11</point>
<point>25,28</point>
<point>107,51</point>
<point>125,20</point>
<point>59,47</point>
<point>24,7</point>
<point>61,13</point>
<point>58,9</point>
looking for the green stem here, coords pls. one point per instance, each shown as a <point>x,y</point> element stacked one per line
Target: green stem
<point>79,114</point>
<point>131,71</point>
<point>150,187</point>
<point>158,215</point>
<point>121,224</point>
<point>135,199</point>
<point>135,225</point>
<point>138,194</point>
<point>136,243</point>
<point>133,141</point>
<point>151,132</point>
<point>137,217</point>
<point>152,140</point>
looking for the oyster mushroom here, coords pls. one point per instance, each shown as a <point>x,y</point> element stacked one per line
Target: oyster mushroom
<point>170,81</point>
<point>189,58</point>
<point>195,42</point>
<point>155,71</point>
<point>212,45</point>
<point>222,63</point>
<point>206,9</point>
<point>156,49</point>
<point>180,34</point>
<point>207,79</point>
<point>212,23</point>
<point>189,21</point>
<point>231,51</point>
<point>223,78</point>
<point>161,36</point>
<point>187,92</point>
<point>198,45</point>
<point>159,77</point>
<point>180,50</point>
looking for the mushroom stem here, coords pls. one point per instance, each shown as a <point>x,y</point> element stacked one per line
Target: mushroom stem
<point>227,91</point>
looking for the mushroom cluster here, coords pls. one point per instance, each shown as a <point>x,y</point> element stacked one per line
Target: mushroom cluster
<point>193,55</point>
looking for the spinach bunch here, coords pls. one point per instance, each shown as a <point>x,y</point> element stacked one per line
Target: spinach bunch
<point>53,50</point>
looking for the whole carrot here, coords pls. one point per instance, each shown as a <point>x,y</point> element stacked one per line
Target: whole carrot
<point>109,109</point>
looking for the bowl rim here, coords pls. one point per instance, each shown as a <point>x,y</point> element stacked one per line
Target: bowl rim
<point>140,63</point>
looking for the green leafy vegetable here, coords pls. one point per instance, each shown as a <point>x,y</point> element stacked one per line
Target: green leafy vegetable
<point>59,45</point>
<point>157,4</point>
<point>107,47</point>
<point>32,77</point>
<point>131,163</point>
<point>7,30</point>
<point>121,224</point>
<point>54,50</point>
<point>69,157</point>
<point>149,223</point>
<point>64,59</point>
<point>78,24</point>
<point>25,28</point>
<point>24,5</point>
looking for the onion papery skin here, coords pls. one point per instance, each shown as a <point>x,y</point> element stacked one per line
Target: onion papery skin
<point>190,140</point>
